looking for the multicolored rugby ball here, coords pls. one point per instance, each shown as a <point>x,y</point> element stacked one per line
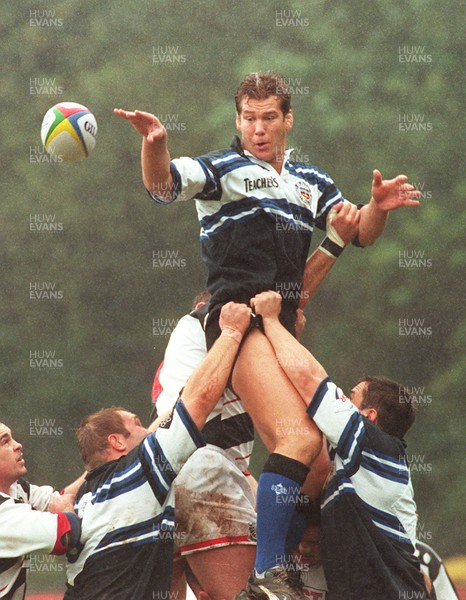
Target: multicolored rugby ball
<point>69,131</point>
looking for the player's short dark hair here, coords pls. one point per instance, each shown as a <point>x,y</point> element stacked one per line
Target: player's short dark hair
<point>93,432</point>
<point>261,86</point>
<point>203,297</point>
<point>396,410</point>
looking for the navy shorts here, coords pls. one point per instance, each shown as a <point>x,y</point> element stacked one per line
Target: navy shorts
<point>213,331</point>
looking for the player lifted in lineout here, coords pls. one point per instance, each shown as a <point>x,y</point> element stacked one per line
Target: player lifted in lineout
<point>257,209</point>
<point>219,552</point>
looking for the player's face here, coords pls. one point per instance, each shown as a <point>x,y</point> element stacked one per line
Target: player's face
<point>263,128</point>
<point>137,433</point>
<point>12,463</point>
<point>308,551</point>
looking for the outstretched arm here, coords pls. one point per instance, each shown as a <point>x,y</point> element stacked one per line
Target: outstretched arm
<point>387,195</point>
<point>207,383</point>
<point>155,158</point>
<point>302,369</point>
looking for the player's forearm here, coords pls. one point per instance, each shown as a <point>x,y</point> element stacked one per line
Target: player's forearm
<point>207,383</point>
<point>155,163</point>
<point>371,223</point>
<point>318,474</point>
<point>315,271</point>
<point>300,366</point>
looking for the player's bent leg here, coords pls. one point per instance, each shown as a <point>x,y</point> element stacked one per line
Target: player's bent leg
<point>276,408</point>
<point>310,499</point>
<point>279,415</point>
<point>215,521</point>
<point>178,587</point>
<point>223,572</point>
<point>318,474</point>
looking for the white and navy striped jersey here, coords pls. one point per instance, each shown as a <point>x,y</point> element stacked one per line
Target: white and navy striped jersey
<point>433,567</point>
<point>368,509</point>
<point>228,426</point>
<point>127,511</point>
<point>23,530</point>
<point>315,584</point>
<point>256,223</point>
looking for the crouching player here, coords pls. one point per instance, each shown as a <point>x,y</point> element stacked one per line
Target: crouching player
<point>127,501</point>
<point>215,508</point>
<point>368,510</point>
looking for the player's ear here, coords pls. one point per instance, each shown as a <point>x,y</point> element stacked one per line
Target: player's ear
<point>238,121</point>
<point>289,119</point>
<point>371,414</point>
<point>116,442</point>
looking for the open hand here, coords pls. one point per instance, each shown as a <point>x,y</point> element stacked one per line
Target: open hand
<point>146,124</point>
<point>389,194</point>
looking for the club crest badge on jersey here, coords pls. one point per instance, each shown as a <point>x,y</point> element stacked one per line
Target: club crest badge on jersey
<point>304,191</point>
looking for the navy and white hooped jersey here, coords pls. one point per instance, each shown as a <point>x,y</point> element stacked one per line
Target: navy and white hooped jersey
<point>433,567</point>
<point>315,584</point>
<point>256,223</point>
<point>368,510</point>
<point>127,511</point>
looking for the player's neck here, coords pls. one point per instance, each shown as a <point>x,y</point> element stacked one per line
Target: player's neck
<point>277,164</point>
<point>279,160</point>
<point>5,486</point>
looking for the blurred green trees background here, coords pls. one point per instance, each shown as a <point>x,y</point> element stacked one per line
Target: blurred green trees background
<point>358,91</point>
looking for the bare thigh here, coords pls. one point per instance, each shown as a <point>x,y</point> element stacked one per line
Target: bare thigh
<point>275,406</point>
<point>178,587</point>
<point>223,572</point>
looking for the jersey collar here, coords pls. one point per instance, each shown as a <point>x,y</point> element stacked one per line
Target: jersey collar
<point>236,147</point>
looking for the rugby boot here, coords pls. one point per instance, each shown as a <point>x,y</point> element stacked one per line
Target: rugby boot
<point>276,584</point>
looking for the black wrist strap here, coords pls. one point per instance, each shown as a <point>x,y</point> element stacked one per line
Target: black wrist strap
<point>331,248</point>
